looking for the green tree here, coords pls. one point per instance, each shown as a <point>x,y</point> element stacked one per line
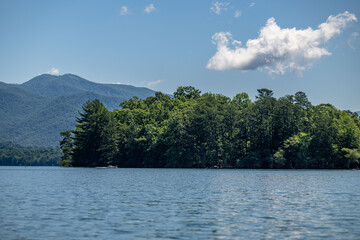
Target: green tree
<point>90,144</point>
<point>208,130</point>
<point>352,156</point>
<point>66,145</point>
<point>242,100</point>
<point>187,92</point>
<point>262,127</point>
<point>293,153</point>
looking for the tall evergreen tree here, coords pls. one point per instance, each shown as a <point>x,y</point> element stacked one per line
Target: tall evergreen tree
<point>66,145</point>
<point>91,148</point>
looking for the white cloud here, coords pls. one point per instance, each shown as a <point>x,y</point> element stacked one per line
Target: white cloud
<point>218,7</point>
<point>124,11</point>
<point>237,14</point>
<point>54,71</point>
<point>252,4</point>
<point>150,8</point>
<point>153,83</point>
<point>352,39</point>
<point>277,49</point>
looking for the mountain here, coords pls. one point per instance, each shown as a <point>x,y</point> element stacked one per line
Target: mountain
<point>16,103</point>
<point>47,85</point>
<point>35,112</point>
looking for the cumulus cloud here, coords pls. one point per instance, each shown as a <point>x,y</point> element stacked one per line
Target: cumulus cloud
<point>153,83</point>
<point>218,7</point>
<point>54,71</point>
<point>124,11</point>
<point>252,4</point>
<point>237,14</point>
<point>150,8</point>
<point>277,49</point>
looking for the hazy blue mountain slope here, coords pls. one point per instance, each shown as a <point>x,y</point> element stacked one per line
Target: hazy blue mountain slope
<point>51,86</point>
<point>16,104</point>
<point>130,91</point>
<point>42,128</point>
<point>35,112</point>
<point>78,100</point>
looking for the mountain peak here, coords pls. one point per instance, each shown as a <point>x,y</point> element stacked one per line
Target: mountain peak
<point>50,77</point>
<point>48,104</point>
<point>42,77</point>
<point>47,85</point>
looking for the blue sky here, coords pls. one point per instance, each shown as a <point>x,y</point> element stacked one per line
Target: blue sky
<point>166,44</point>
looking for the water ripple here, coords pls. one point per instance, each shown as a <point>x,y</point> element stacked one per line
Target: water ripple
<point>69,203</point>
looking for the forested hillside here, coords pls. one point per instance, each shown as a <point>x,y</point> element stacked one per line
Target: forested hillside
<point>33,113</point>
<point>212,130</point>
<point>16,155</point>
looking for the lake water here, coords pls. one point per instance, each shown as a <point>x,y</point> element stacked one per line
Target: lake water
<point>83,203</point>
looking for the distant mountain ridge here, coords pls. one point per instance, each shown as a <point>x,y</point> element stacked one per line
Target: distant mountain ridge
<point>35,112</point>
<point>47,85</point>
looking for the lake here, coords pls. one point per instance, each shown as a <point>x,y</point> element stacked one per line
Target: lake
<point>83,203</point>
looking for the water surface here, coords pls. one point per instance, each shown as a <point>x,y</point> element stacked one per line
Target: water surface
<point>83,203</point>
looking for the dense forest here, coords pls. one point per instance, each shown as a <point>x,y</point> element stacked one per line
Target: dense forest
<point>16,155</point>
<point>194,130</point>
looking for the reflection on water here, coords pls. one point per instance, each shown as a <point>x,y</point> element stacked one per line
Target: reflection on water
<point>79,203</point>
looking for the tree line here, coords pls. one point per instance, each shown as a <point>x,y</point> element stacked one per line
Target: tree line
<point>194,130</point>
<point>16,155</point>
